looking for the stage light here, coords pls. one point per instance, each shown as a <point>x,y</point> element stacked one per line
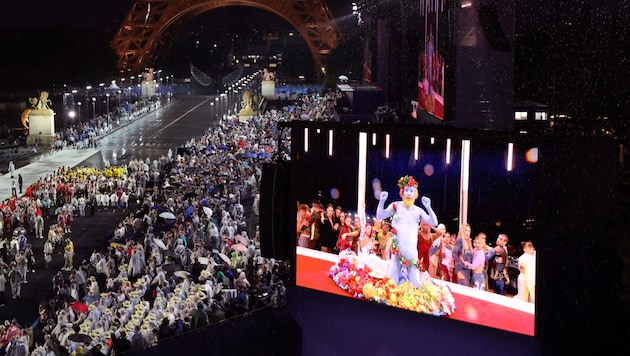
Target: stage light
<point>510,156</point>
<point>377,188</point>
<point>387,138</point>
<point>330,142</point>
<point>374,139</point>
<point>531,156</point>
<point>464,180</point>
<point>362,173</point>
<point>432,140</point>
<point>334,193</point>
<point>448,151</point>
<point>305,139</point>
<point>416,147</point>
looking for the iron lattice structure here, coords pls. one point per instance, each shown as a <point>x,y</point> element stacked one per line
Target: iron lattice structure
<point>151,26</point>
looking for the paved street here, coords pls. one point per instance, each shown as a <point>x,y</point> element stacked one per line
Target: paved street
<point>150,136</point>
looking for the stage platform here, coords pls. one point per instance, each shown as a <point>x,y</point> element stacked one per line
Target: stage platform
<point>472,306</point>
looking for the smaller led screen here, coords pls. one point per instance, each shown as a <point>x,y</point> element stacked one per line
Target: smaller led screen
<point>440,223</point>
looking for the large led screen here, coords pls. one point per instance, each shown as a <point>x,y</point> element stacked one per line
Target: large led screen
<point>439,222</point>
<point>431,63</point>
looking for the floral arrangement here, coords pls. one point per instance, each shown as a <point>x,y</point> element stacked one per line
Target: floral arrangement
<point>350,274</point>
<point>393,216</point>
<point>407,181</point>
<point>403,260</point>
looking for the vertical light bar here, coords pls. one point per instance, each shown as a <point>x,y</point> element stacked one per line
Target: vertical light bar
<point>374,139</point>
<point>387,146</point>
<point>362,175</point>
<point>330,142</point>
<point>432,140</point>
<point>510,157</point>
<point>306,139</point>
<point>463,184</point>
<point>448,151</point>
<point>416,147</point>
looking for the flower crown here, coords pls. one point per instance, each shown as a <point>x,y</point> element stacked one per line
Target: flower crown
<point>407,181</point>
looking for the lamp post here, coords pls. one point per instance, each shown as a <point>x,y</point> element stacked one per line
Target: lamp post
<point>94,108</point>
<point>79,103</point>
<point>107,99</point>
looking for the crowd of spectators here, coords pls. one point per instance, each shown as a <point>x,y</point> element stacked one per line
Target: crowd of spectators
<point>85,134</point>
<point>183,258</point>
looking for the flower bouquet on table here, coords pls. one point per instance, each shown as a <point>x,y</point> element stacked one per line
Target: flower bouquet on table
<point>350,274</point>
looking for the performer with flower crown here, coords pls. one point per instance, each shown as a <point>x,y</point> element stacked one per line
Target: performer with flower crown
<point>405,217</point>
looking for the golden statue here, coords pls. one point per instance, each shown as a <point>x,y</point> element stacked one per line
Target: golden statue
<point>41,104</point>
<point>25,115</point>
<point>247,105</point>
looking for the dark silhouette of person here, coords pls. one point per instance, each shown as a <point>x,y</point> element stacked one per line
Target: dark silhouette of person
<point>20,182</point>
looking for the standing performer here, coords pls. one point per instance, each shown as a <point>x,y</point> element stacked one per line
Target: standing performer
<point>405,218</point>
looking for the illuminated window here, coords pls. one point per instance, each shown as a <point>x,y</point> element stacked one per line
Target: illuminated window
<point>520,115</point>
<point>541,115</point>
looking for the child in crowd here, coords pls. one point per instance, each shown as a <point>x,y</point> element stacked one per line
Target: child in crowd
<point>477,265</point>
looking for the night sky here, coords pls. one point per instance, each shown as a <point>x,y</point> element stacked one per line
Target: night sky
<point>573,54</point>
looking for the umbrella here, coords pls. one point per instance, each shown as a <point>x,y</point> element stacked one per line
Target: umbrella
<point>86,339</point>
<point>64,298</point>
<point>155,279</point>
<point>170,253</point>
<point>79,307</point>
<point>207,211</point>
<point>239,247</point>
<point>249,155</point>
<point>203,260</point>
<point>181,274</point>
<point>223,147</point>
<point>342,78</point>
<point>171,267</point>
<point>264,154</point>
<point>160,243</point>
<point>167,215</point>
<point>225,258</point>
<point>241,239</point>
<point>188,211</point>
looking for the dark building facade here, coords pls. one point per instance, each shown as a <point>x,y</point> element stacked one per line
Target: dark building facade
<point>443,60</point>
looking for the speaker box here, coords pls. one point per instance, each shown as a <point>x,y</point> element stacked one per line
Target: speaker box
<point>491,25</point>
<point>275,219</point>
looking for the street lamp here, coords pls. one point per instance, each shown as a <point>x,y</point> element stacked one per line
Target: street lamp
<point>94,108</point>
<point>79,103</point>
<point>107,98</point>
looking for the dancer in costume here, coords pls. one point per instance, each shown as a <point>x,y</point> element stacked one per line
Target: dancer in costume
<point>405,217</point>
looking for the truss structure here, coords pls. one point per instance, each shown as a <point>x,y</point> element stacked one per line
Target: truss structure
<point>150,27</point>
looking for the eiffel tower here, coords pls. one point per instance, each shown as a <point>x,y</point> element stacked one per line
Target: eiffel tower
<point>150,27</point>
